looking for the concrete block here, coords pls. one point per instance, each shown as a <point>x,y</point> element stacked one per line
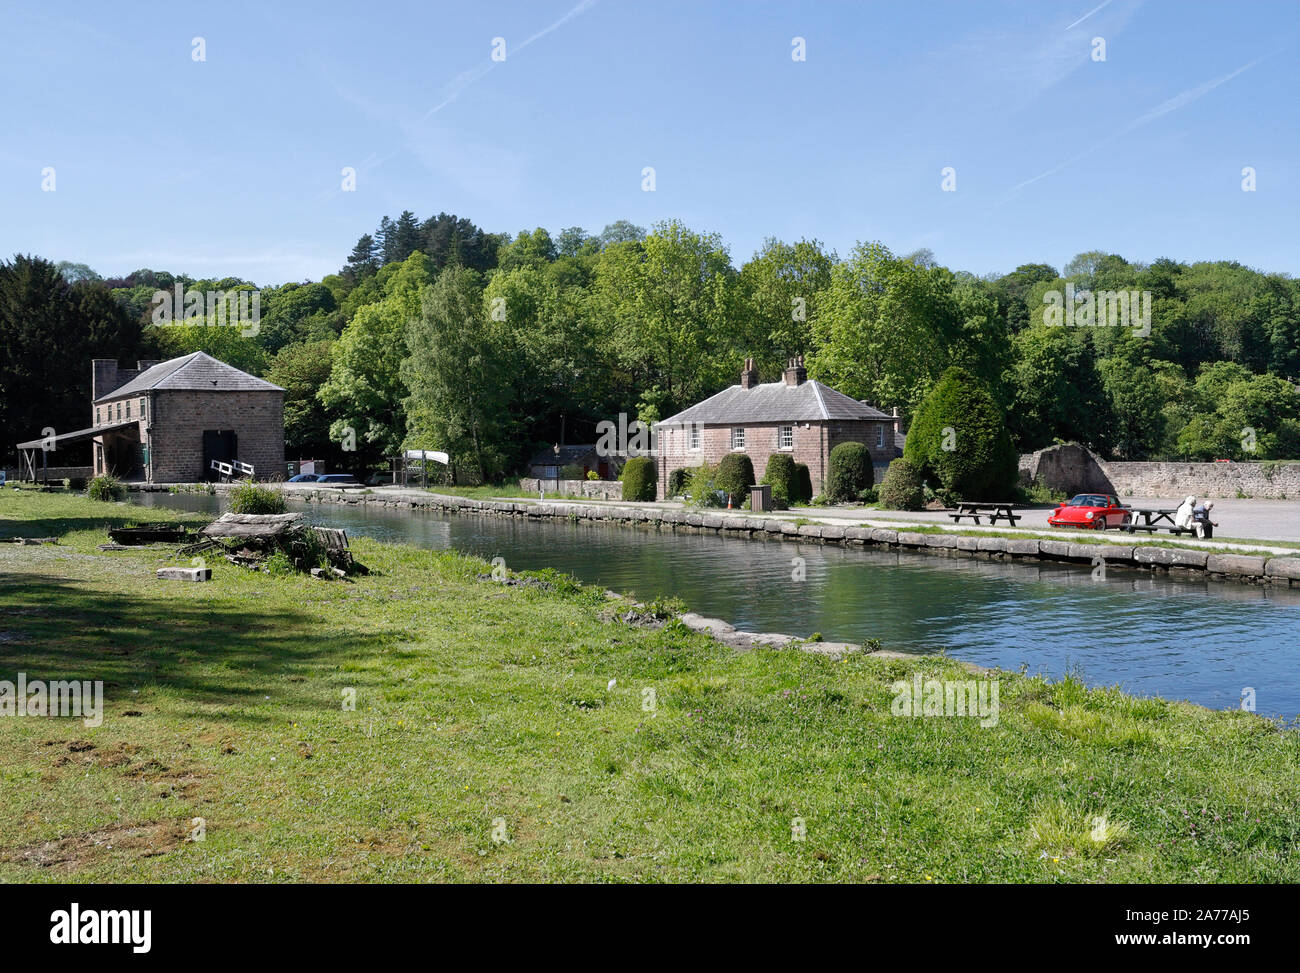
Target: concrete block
<point>1237,565</point>
<point>879,535</point>
<point>1283,567</point>
<point>185,574</point>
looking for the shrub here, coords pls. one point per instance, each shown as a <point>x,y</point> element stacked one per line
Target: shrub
<point>736,476</point>
<point>248,498</point>
<point>593,475</point>
<point>77,483</point>
<point>703,487</point>
<point>572,471</point>
<point>902,487</point>
<point>639,479</point>
<point>780,475</point>
<point>106,488</point>
<point>959,438</point>
<point>803,484</point>
<point>869,495</point>
<point>678,481</point>
<point>850,472</point>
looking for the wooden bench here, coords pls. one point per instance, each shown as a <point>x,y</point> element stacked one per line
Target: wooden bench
<point>993,511</point>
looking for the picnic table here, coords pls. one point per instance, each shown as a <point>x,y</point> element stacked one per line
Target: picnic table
<point>1150,519</point>
<point>1155,518</point>
<point>993,510</point>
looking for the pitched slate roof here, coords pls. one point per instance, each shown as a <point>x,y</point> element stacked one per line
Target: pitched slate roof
<point>776,402</point>
<point>193,372</point>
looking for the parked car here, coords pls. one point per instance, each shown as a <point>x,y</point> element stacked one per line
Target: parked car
<point>304,478</point>
<point>338,479</point>
<point>1090,511</point>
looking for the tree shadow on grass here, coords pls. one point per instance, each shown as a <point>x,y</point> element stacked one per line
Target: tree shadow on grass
<point>220,652</point>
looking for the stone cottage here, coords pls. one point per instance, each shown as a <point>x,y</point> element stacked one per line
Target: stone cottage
<point>165,422</point>
<point>803,418</point>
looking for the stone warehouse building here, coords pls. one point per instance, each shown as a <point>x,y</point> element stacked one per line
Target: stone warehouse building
<point>164,422</point>
<point>803,418</point>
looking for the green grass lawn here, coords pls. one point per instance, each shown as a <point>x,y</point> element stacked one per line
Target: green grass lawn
<point>481,707</point>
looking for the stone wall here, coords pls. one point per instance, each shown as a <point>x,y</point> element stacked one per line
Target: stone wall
<point>1074,469</point>
<point>56,474</point>
<point>1149,557</point>
<point>180,418</point>
<point>595,489</point>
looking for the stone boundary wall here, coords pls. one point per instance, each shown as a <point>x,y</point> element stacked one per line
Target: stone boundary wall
<point>1074,469</point>
<point>56,473</point>
<point>1252,569</point>
<point>595,489</point>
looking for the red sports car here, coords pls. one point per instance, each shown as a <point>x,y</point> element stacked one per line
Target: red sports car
<point>1090,511</point>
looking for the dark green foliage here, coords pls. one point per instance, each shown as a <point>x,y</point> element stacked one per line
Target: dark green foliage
<point>902,487</point>
<point>959,439</point>
<point>736,476</point>
<point>639,479</point>
<point>677,481</point>
<point>803,484</point>
<point>780,475</point>
<point>49,332</point>
<point>850,472</point>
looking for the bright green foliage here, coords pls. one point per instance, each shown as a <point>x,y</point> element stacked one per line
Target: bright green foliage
<point>902,487</point>
<point>248,498</point>
<point>780,475</point>
<point>959,438</point>
<point>106,489</point>
<point>850,472</point>
<point>677,482</point>
<point>735,477</point>
<point>639,479</point>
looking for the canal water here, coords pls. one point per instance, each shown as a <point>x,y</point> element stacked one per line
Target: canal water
<point>1179,639</point>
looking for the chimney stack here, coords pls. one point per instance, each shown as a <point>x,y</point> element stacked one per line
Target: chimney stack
<point>749,375</point>
<point>795,373</point>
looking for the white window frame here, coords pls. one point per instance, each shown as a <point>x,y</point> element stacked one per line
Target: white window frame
<point>738,438</point>
<point>98,420</point>
<point>128,408</point>
<point>880,437</point>
<point>785,438</point>
<point>694,436</point>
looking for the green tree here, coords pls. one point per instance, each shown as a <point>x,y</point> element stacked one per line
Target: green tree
<point>959,436</point>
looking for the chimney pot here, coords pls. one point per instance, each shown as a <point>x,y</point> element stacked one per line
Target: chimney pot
<point>795,374</point>
<point>749,375</point>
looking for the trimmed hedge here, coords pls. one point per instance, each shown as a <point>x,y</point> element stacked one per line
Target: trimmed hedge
<point>958,437</point>
<point>803,484</point>
<point>850,472</point>
<point>677,481</point>
<point>639,479</point>
<point>736,476</point>
<point>902,487</point>
<point>781,476</point>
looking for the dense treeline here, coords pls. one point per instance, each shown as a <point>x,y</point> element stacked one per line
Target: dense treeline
<point>437,334</point>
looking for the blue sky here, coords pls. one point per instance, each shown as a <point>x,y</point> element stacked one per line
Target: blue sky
<point>232,166</point>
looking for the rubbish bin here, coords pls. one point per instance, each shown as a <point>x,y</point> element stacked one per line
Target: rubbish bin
<point>760,497</point>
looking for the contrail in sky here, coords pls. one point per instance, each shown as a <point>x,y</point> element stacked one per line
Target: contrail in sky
<point>1087,15</point>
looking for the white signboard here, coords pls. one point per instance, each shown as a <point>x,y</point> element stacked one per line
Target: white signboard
<point>430,455</point>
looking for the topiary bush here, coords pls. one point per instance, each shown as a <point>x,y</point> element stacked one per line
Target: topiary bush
<point>959,439</point>
<point>639,479</point>
<point>803,484</point>
<point>780,475</point>
<point>736,476</point>
<point>903,487</point>
<point>850,472</point>
<point>248,498</point>
<point>106,489</point>
<point>677,482</point>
